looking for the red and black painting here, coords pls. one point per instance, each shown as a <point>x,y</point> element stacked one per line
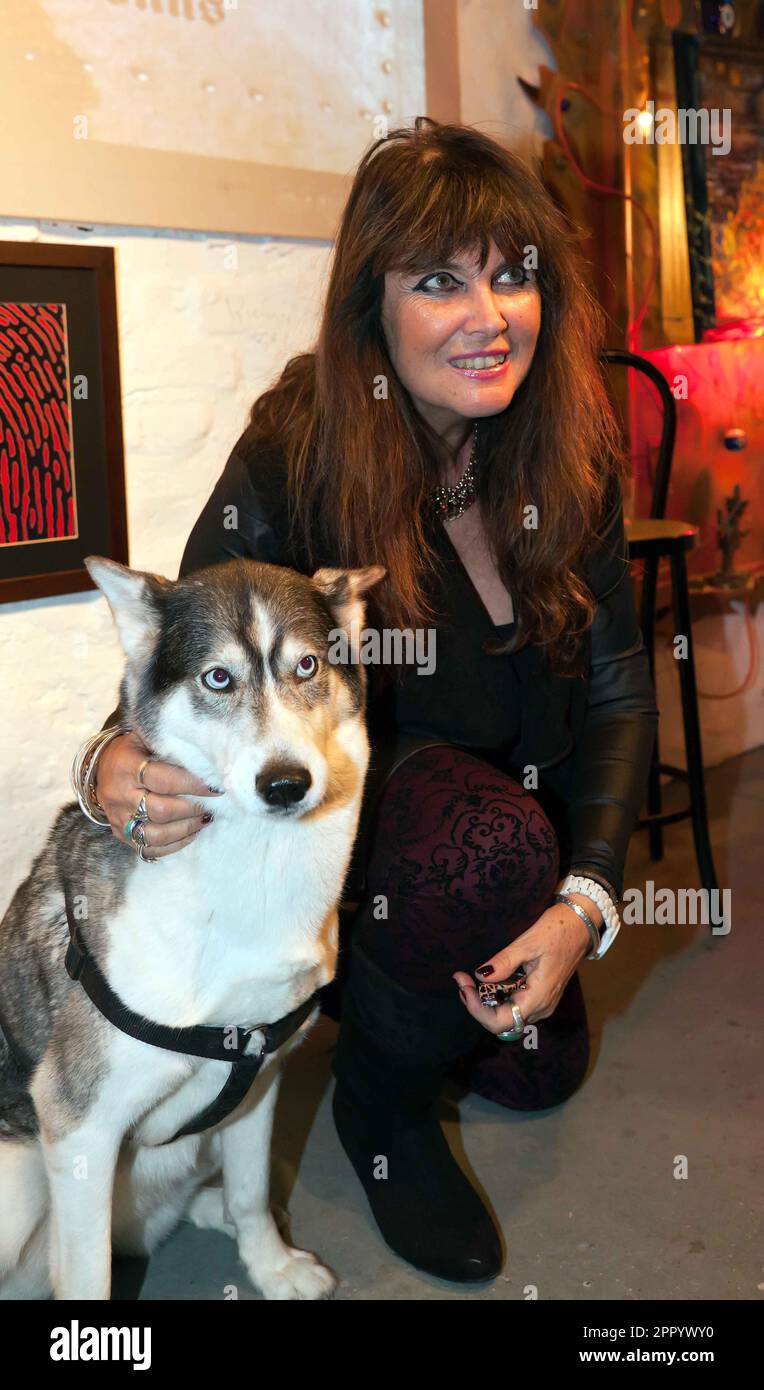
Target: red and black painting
<point>37,485</point>
<point>62,489</point>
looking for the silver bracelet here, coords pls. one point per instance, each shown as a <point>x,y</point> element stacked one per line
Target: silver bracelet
<point>594,935</point>
<point>82,773</point>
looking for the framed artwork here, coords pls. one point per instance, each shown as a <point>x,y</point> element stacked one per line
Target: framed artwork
<point>724,193</point>
<point>62,487</point>
<point>233,116</point>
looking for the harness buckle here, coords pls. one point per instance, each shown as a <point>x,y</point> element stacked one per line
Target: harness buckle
<point>244,1056</point>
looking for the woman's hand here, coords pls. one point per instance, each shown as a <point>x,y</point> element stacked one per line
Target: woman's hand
<point>174,819</point>
<point>549,951</point>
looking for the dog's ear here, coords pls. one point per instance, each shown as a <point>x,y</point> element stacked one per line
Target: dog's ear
<point>342,590</point>
<point>132,596</point>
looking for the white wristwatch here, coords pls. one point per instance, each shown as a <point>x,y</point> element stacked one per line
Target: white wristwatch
<point>578,883</point>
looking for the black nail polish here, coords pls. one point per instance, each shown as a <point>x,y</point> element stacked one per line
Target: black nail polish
<point>215,790</point>
<point>207,817</point>
<point>484,970</point>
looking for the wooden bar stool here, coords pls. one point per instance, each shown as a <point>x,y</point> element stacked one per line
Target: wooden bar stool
<point>653,539</point>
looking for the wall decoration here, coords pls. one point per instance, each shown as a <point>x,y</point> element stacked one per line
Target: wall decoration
<point>219,115</point>
<point>62,491</point>
<point>725,196</point>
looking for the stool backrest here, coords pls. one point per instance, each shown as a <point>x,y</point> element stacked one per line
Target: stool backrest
<point>668,432</point>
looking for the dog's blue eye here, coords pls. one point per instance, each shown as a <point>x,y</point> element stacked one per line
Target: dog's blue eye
<point>307,666</point>
<point>216,679</point>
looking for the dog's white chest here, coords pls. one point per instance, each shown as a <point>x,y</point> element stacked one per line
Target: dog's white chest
<point>228,933</point>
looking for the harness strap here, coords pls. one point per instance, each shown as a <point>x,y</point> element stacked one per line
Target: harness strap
<point>227,1044</point>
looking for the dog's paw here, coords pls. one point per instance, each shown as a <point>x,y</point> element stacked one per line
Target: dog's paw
<point>302,1275</point>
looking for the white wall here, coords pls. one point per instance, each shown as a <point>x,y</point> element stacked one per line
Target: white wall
<point>731,723</point>
<point>499,42</point>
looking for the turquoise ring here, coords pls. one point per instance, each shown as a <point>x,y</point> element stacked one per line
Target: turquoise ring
<point>513,1034</point>
<point>133,830</point>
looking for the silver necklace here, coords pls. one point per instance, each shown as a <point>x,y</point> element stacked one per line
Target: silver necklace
<point>448,502</point>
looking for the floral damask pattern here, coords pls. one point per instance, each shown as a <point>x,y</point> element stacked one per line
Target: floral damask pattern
<point>466,860</point>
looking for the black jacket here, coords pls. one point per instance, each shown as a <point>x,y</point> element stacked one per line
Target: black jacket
<point>590,737</point>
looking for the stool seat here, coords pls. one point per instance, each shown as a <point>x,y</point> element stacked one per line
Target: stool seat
<point>659,536</point>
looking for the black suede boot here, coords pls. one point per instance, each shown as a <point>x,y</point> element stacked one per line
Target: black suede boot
<point>392,1053</point>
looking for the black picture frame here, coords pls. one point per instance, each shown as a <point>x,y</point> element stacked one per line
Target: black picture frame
<point>62,478</point>
<point>687,71</point>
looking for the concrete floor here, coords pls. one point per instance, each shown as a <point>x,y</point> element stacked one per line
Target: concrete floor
<point>585,1192</point>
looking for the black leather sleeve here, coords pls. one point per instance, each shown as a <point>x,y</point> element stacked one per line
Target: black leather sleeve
<point>613,753</point>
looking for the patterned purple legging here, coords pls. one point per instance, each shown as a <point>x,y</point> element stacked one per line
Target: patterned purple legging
<point>467,860</point>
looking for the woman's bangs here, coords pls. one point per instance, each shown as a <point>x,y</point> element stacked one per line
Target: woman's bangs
<point>455,221</point>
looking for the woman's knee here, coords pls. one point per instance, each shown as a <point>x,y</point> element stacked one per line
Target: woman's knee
<point>449,822</point>
<point>461,860</point>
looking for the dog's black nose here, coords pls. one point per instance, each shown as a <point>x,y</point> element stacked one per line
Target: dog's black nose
<point>282,784</point>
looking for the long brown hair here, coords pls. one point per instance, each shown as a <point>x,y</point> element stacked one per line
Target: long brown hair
<point>361,462</point>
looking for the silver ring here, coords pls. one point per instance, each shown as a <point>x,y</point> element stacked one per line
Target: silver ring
<point>141,810</point>
<point>141,769</point>
<point>513,1034</point>
<point>145,857</point>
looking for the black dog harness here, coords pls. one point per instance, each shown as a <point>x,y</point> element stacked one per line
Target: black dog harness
<point>227,1044</point>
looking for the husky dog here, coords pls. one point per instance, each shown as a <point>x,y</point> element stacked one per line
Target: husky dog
<point>227,675</point>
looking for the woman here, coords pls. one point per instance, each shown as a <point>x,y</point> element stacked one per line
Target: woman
<point>452,425</point>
